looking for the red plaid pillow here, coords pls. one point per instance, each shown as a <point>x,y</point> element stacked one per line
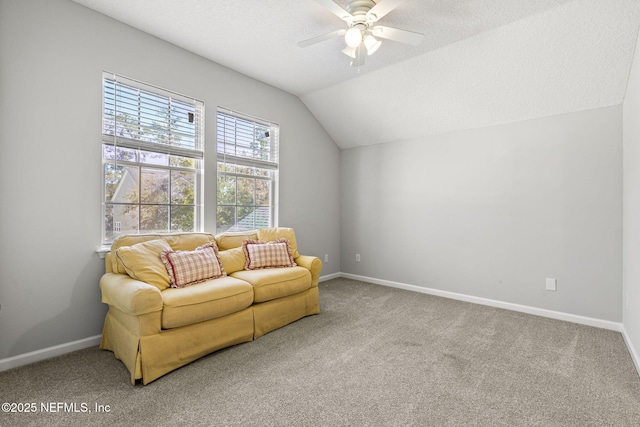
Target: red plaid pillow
<point>189,267</point>
<point>272,254</point>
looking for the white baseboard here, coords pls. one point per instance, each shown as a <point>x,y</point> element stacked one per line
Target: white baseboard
<point>330,276</point>
<point>583,320</point>
<point>632,349</point>
<point>47,353</point>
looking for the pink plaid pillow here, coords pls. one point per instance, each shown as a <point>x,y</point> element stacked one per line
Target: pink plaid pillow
<point>267,255</point>
<point>189,267</point>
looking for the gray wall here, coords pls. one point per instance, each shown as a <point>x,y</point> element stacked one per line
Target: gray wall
<point>492,212</point>
<point>52,54</point>
<point>631,213</point>
<point>488,212</point>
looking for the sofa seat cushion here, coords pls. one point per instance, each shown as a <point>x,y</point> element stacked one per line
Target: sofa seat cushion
<point>272,283</point>
<point>204,301</point>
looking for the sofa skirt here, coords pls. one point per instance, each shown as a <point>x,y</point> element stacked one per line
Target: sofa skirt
<point>277,313</point>
<point>148,357</point>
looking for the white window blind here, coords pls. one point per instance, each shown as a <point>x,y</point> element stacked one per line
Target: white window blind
<point>247,153</point>
<point>137,115</point>
<point>244,140</point>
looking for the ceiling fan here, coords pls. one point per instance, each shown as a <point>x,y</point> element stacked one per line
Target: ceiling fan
<point>360,35</point>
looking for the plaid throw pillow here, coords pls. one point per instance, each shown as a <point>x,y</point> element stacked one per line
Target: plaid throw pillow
<point>189,267</point>
<point>272,254</point>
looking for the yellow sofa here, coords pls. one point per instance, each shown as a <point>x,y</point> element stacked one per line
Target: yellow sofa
<point>154,329</point>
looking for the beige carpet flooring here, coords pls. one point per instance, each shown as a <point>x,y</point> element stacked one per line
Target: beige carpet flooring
<point>375,356</point>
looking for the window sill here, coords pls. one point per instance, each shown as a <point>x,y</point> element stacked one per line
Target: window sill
<point>103,251</point>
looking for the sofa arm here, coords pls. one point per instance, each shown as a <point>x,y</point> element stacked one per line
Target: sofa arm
<point>130,295</point>
<point>313,264</point>
<point>107,263</point>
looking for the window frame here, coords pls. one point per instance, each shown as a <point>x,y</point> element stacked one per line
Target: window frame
<point>231,156</point>
<point>156,143</point>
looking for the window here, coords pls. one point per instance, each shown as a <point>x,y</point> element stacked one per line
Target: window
<point>247,150</point>
<point>152,151</point>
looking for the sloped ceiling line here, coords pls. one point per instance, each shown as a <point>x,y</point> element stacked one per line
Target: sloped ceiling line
<point>574,57</point>
<point>483,62</point>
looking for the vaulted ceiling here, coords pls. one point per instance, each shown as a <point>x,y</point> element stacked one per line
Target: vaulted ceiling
<point>482,62</point>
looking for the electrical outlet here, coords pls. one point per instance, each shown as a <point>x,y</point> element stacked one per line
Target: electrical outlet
<point>357,257</point>
<point>326,258</point>
<point>551,284</point>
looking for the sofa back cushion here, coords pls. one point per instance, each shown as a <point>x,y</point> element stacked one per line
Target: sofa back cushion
<point>232,259</point>
<point>234,239</point>
<point>271,234</point>
<point>231,252</point>
<point>176,241</point>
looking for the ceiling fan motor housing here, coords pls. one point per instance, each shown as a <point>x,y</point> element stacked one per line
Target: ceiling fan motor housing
<point>359,10</point>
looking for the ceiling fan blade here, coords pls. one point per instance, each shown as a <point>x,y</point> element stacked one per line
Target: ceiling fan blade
<point>322,38</point>
<point>402,36</point>
<point>382,8</point>
<point>336,9</point>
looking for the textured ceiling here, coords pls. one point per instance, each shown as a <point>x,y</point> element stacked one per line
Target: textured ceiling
<point>483,62</point>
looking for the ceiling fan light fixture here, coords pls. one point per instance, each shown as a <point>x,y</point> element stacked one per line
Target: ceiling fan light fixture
<point>349,51</point>
<point>372,44</point>
<point>353,36</point>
